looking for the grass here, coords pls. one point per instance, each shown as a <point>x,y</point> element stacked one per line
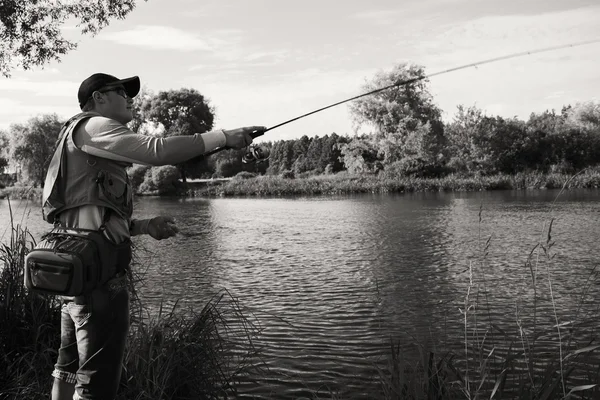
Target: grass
<point>556,359</point>
<point>344,183</point>
<point>174,355</point>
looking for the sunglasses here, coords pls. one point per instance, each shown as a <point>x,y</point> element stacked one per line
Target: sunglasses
<point>120,91</point>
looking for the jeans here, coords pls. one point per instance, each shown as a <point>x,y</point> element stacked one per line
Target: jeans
<point>93,335</point>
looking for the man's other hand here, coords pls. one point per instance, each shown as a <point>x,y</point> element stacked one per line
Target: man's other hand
<point>162,227</point>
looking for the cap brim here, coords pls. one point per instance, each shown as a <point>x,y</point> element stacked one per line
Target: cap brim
<point>131,85</point>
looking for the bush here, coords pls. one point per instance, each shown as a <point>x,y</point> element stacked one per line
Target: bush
<point>245,175</point>
<point>227,168</point>
<point>137,174</point>
<point>147,185</point>
<point>288,174</point>
<point>166,179</point>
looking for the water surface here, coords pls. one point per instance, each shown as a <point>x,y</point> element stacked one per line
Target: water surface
<point>332,279</point>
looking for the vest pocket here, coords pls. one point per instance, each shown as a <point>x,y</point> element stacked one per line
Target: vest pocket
<point>113,189</point>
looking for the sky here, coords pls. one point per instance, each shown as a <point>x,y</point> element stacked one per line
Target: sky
<point>263,62</point>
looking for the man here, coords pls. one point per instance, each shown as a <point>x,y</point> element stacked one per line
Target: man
<point>87,187</point>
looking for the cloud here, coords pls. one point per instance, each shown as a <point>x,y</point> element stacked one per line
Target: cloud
<point>493,36</point>
<point>238,63</point>
<point>14,112</point>
<point>59,88</point>
<point>378,17</point>
<point>157,37</point>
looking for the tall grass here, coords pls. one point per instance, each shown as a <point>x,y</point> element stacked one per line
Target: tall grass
<point>174,355</point>
<point>29,325</point>
<point>540,357</point>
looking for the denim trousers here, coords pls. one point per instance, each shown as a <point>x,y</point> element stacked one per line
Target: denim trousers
<point>94,331</point>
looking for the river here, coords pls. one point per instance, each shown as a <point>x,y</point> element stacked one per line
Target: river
<point>332,279</point>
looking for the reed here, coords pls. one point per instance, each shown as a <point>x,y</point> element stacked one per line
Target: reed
<point>174,355</point>
<point>29,325</point>
<point>540,357</point>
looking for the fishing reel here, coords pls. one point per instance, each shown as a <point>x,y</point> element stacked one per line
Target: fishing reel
<point>256,153</point>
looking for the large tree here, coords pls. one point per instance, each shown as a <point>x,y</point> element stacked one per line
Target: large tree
<point>32,145</point>
<point>139,123</point>
<point>181,112</point>
<point>30,30</point>
<point>407,124</point>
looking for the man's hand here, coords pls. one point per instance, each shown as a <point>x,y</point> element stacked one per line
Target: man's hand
<point>162,227</point>
<point>240,137</point>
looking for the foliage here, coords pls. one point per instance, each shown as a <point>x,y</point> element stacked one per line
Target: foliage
<point>165,179</point>
<point>181,112</point>
<point>407,123</point>
<point>137,174</point>
<point>201,355</point>
<point>29,324</point>
<point>288,174</point>
<point>245,175</point>
<point>4,150</point>
<point>228,167</point>
<point>140,123</point>
<point>360,155</point>
<point>30,31</point>
<point>32,145</point>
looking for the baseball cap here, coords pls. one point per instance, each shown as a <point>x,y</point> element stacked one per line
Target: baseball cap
<point>100,80</point>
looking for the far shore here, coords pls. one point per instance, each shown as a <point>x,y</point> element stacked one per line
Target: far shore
<point>344,183</point>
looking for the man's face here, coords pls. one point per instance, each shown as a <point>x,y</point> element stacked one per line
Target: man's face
<point>117,104</point>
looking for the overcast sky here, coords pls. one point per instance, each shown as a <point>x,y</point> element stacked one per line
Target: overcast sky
<point>261,62</point>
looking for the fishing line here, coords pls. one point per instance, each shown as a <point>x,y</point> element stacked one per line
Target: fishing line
<point>419,78</point>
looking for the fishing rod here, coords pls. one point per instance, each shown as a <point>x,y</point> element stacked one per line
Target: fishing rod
<point>255,153</point>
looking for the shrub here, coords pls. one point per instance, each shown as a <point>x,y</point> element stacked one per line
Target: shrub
<point>245,175</point>
<point>288,174</point>
<point>137,174</point>
<point>227,168</point>
<point>147,185</point>
<point>166,179</point>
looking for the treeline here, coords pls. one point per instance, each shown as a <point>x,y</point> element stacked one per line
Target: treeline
<point>407,139</point>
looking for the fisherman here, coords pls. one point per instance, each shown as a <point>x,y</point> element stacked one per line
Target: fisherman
<point>87,187</point>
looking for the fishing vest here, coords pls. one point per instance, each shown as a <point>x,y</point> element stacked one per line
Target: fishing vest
<point>76,178</point>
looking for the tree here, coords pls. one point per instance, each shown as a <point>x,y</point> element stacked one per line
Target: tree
<point>181,112</point>
<point>584,115</point>
<point>360,155</point>
<point>140,123</point>
<point>463,135</point>
<point>400,113</point>
<point>4,148</point>
<point>331,154</point>
<point>32,145</point>
<point>30,33</point>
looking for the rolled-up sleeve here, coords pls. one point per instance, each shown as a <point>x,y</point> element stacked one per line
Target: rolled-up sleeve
<point>107,138</point>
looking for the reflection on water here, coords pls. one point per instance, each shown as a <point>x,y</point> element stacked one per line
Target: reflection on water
<point>333,279</point>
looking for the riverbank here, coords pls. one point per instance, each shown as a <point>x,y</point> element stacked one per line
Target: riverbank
<point>344,183</point>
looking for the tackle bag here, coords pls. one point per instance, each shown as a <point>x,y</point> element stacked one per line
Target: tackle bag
<point>73,262</point>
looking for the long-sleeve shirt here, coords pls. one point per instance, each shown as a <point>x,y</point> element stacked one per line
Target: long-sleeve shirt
<point>107,138</point>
